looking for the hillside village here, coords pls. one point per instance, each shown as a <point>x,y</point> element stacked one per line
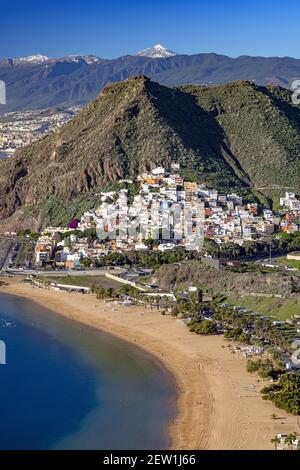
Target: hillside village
<point>162,211</point>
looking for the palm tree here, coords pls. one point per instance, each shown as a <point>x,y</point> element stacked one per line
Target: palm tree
<point>290,439</point>
<point>275,441</point>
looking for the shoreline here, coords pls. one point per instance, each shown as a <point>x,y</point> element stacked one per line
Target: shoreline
<point>217,408</point>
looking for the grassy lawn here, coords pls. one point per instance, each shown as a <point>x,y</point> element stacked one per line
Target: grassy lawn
<point>283,261</point>
<point>279,309</point>
<point>85,281</point>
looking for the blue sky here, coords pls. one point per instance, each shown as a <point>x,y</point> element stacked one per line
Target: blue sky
<point>113,28</point>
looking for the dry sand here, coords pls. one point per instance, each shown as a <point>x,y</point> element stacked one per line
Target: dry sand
<point>218,407</point>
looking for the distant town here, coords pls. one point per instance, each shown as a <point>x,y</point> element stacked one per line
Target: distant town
<point>21,128</point>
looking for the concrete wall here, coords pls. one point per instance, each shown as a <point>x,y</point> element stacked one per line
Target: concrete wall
<point>294,256</point>
<point>125,281</point>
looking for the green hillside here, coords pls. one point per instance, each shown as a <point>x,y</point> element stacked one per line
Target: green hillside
<point>237,136</point>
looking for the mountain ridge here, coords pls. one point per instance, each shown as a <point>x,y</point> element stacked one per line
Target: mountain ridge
<point>237,136</point>
<point>77,80</point>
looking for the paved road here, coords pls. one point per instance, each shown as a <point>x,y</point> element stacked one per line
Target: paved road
<point>8,258</point>
<point>89,272</point>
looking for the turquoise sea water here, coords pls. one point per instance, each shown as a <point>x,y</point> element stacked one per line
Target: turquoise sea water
<point>66,386</point>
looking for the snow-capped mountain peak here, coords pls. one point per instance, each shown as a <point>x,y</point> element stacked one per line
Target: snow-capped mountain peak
<point>33,59</point>
<point>156,52</point>
<point>89,59</point>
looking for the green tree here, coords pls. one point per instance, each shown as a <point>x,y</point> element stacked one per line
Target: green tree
<point>285,394</point>
<point>101,293</point>
<point>86,262</point>
<point>110,292</point>
<point>290,439</point>
<point>151,243</point>
<point>275,441</point>
<point>253,366</point>
<point>206,327</point>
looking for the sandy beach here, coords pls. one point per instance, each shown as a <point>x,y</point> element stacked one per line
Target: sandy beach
<point>219,404</point>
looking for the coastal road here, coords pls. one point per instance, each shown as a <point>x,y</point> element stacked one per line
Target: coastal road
<point>8,257</point>
<point>60,273</point>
